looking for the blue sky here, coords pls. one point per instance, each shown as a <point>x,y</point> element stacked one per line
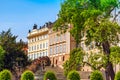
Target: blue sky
<point>21,15</point>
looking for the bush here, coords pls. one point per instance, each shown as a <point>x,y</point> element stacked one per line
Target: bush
<point>49,75</point>
<point>96,75</point>
<point>73,75</point>
<point>117,76</point>
<point>5,75</point>
<point>27,75</point>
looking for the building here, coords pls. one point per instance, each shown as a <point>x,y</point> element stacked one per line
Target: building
<point>60,45</point>
<point>38,42</point>
<point>46,42</point>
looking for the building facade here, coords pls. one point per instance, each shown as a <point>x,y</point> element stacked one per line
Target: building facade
<point>60,45</point>
<point>38,42</point>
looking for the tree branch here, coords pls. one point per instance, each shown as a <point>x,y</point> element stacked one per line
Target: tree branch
<point>115,17</point>
<point>90,65</point>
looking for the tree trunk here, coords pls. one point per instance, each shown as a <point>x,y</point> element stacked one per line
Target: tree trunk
<point>110,74</point>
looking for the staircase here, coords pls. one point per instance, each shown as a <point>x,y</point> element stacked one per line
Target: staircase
<point>58,72</point>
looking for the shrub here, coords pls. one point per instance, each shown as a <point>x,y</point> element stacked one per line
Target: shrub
<point>73,75</point>
<point>96,75</point>
<point>27,75</point>
<point>49,75</point>
<point>117,76</point>
<point>5,75</point>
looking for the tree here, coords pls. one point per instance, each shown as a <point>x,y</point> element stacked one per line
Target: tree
<point>96,19</point>
<point>2,57</point>
<point>96,61</point>
<point>27,75</point>
<point>74,62</point>
<point>115,55</point>
<point>96,75</point>
<point>49,75</point>
<point>5,75</point>
<point>14,58</point>
<point>117,76</point>
<point>73,75</point>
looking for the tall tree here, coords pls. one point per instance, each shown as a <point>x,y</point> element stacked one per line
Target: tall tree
<point>96,19</point>
<point>2,57</point>
<point>14,58</point>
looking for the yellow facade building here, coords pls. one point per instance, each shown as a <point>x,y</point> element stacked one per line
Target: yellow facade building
<point>38,42</point>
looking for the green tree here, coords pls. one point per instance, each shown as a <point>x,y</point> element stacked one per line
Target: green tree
<point>49,75</point>
<point>27,75</point>
<point>2,57</point>
<point>92,17</point>
<point>73,75</point>
<point>14,58</point>
<point>75,61</point>
<point>5,75</point>
<point>117,76</point>
<point>115,55</point>
<point>96,75</point>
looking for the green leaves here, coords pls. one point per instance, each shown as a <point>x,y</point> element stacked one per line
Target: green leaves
<point>5,75</point>
<point>73,75</point>
<point>27,75</point>
<point>2,57</point>
<point>49,75</point>
<point>107,4</point>
<point>115,55</point>
<point>117,76</point>
<point>75,61</point>
<point>96,75</point>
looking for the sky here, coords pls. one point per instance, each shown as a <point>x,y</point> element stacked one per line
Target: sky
<point>21,15</point>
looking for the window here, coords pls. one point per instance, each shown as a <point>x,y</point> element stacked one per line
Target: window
<point>63,58</point>
<point>34,56</point>
<point>32,40</point>
<point>34,47</point>
<point>57,49</point>
<point>46,35</point>
<point>50,51</point>
<point>29,48</point>
<point>46,44</point>
<point>54,50</point>
<point>43,37</point>
<point>40,46</point>
<point>37,55</point>
<point>64,48</point>
<point>64,36</point>
<point>56,38</point>
<point>61,37</point>
<point>60,48</point>
<point>37,47</point>
<point>43,45</point>
<point>40,37</point>
<point>46,53</point>
<point>43,53</point>
<point>35,39</point>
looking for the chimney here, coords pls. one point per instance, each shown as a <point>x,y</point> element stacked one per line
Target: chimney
<point>29,31</point>
<point>35,26</point>
<point>40,27</point>
<point>46,25</point>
